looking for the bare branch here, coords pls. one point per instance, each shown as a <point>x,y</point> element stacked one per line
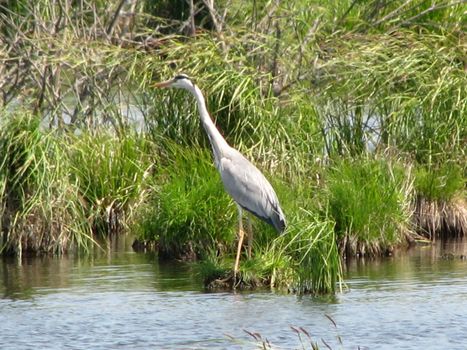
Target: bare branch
<point>115,17</point>
<point>217,21</point>
<point>393,13</point>
<point>433,8</point>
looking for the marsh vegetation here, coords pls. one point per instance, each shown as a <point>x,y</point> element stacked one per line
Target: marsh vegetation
<point>355,111</point>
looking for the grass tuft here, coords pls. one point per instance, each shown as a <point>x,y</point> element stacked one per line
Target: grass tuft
<point>310,256</point>
<point>439,206</point>
<point>369,199</point>
<point>40,208</point>
<point>111,174</point>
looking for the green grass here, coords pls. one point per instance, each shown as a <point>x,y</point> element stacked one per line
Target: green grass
<point>311,261</point>
<point>369,199</point>
<point>190,216</point>
<point>303,260</point>
<point>41,211</point>
<point>440,183</point>
<point>59,190</point>
<point>189,213</point>
<point>291,85</point>
<point>401,89</point>
<point>111,174</point>
<point>439,207</point>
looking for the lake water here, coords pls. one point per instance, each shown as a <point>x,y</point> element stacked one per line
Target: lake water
<point>127,300</point>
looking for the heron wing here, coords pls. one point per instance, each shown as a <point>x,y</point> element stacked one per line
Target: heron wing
<point>250,189</point>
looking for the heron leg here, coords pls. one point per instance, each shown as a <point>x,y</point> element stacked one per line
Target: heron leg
<point>250,236</point>
<point>241,234</point>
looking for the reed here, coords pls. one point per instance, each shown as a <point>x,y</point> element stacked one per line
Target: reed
<point>305,339</point>
<point>399,90</point>
<point>305,259</point>
<point>311,261</point>
<point>439,205</point>
<point>327,97</point>
<point>111,174</point>
<point>59,190</point>
<point>40,211</point>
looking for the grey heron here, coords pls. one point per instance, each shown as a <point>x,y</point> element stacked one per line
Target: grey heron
<point>242,180</point>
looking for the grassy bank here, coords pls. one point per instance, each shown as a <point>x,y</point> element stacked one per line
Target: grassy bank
<point>60,191</point>
<point>355,111</point>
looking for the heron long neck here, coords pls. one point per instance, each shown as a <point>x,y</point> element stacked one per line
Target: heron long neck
<point>219,145</point>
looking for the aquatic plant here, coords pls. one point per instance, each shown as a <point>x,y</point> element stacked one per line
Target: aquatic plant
<point>439,205</point>
<point>111,174</point>
<point>399,90</point>
<point>311,252</point>
<point>305,259</point>
<point>306,89</point>
<point>40,206</point>
<point>59,190</point>
<point>305,339</point>
<point>439,182</point>
<point>369,199</point>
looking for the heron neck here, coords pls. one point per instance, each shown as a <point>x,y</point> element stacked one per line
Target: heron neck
<point>218,143</point>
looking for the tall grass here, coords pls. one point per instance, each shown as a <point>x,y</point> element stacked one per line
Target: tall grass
<point>369,199</point>
<point>189,214</point>
<point>400,89</point>
<point>40,205</point>
<point>441,182</point>
<point>111,174</point>
<point>59,190</point>
<point>305,259</point>
<point>314,92</point>
<point>310,251</point>
<point>440,208</point>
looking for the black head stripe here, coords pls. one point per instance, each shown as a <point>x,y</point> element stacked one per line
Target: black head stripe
<point>181,76</point>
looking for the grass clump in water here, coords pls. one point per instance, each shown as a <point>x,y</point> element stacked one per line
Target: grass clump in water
<point>305,259</point>
<point>190,216</point>
<point>369,199</point>
<point>40,207</point>
<point>311,262</point>
<point>439,205</point>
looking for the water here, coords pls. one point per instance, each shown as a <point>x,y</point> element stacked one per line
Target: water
<point>127,300</point>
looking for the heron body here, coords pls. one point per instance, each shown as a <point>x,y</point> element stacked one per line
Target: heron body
<point>250,189</point>
<point>242,180</point>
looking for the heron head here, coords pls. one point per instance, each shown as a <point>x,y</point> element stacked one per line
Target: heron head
<point>181,81</point>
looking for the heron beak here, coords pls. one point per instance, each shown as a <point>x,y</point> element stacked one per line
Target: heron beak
<point>163,84</point>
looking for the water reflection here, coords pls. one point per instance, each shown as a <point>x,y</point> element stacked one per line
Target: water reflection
<point>123,271</point>
<point>425,262</point>
<point>117,298</point>
<point>20,278</point>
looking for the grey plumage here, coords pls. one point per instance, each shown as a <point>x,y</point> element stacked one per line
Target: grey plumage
<point>250,189</point>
